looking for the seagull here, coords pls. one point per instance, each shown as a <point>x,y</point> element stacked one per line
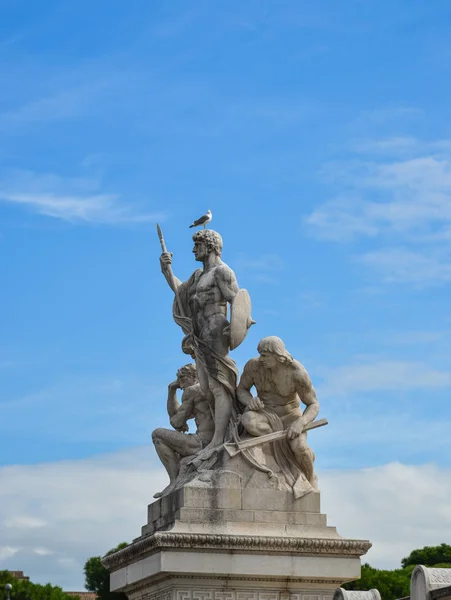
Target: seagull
<point>202,220</point>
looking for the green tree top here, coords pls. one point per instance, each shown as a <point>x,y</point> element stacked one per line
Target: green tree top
<point>429,556</point>
<point>26,590</point>
<point>97,578</point>
<point>396,584</point>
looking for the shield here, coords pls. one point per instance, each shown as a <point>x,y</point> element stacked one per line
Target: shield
<point>240,318</point>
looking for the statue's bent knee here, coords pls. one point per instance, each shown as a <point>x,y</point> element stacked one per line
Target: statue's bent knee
<point>249,420</point>
<point>156,434</point>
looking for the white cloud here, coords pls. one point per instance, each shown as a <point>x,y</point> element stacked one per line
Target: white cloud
<point>73,199</point>
<point>43,551</point>
<point>90,505</point>
<point>404,266</point>
<point>397,507</point>
<point>24,522</point>
<point>402,204</point>
<point>410,197</point>
<point>382,375</point>
<point>87,506</point>
<point>7,552</point>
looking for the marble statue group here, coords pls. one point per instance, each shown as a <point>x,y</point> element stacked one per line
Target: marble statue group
<point>241,516</point>
<point>267,429</point>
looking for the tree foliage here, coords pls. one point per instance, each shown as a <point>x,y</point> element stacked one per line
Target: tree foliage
<point>391,584</point>
<point>429,556</point>
<point>97,578</point>
<point>26,590</point>
<point>396,584</point>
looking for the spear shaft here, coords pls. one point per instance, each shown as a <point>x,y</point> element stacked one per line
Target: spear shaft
<point>170,273</point>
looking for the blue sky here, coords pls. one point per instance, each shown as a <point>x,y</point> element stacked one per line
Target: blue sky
<point>318,133</point>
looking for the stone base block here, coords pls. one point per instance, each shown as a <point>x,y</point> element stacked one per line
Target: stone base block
<point>223,504</point>
<point>219,538</point>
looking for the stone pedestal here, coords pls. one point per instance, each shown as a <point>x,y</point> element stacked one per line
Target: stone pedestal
<point>221,537</point>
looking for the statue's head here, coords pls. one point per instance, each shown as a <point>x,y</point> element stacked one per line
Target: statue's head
<point>272,351</point>
<point>187,375</point>
<point>206,241</point>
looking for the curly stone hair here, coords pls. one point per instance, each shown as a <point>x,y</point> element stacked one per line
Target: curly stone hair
<point>210,238</point>
<point>274,345</point>
<point>189,369</point>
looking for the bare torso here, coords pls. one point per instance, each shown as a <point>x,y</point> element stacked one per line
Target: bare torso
<point>209,308</point>
<point>201,412</point>
<point>277,390</point>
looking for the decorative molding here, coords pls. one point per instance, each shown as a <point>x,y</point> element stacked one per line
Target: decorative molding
<point>137,590</point>
<point>225,543</point>
<point>187,593</point>
<point>439,576</point>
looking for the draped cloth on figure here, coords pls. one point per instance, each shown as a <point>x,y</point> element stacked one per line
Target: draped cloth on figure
<point>285,458</point>
<point>199,344</point>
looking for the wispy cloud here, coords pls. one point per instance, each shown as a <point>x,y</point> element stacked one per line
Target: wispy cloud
<point>389,113</point>
<point>73,199</point>
<point>401,265</point>
<point>395,496</point>
<point>417,337</point>
<point>403,204</point>
<point>412,197</point>
<point>110,399</point>
<point>382,375</point>
<point>54,495</point>
<point>263,269</point>
<point>398,146</point>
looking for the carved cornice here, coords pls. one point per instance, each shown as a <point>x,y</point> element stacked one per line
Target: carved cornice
<point>150,544</point>
<point>136,589</point>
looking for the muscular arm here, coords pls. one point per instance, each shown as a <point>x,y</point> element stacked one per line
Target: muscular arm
<point>227,282</point>
<point>172,403</point>
<point>166,269</point>
<point>184,412</point>
<point>306,393</point>
<point>243,391</point>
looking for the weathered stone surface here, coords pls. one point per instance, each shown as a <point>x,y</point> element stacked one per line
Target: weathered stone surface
<point>276,500</point>
<point>341,594</point>
<point>282,384</point>
<point>424,580</point>
<point>200,308</point>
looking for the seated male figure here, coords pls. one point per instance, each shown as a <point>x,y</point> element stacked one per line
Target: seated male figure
<point>282,383</point>
<point>172,445</point>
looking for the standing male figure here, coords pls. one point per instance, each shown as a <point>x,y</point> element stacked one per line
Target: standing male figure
<point>203,301</point>
<point>282,383</point>
<point>171,445</point>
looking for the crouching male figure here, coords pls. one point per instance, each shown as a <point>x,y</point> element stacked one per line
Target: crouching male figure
<point>172,445</point>
<point>282,383</point>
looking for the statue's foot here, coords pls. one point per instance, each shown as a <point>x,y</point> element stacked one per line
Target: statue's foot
<point>207,452</point>
<point>204,455</point>
<point>167,490</point>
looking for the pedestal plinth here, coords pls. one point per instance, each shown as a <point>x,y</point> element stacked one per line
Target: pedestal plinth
<point>218,539</point>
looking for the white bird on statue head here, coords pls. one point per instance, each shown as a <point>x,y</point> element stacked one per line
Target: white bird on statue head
<point>203,220</point>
